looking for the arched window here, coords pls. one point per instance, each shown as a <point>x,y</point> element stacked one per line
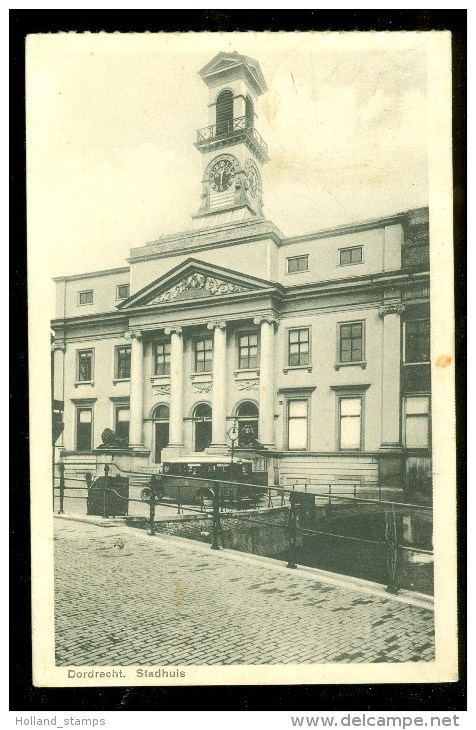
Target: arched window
<point>249,113</point>
<point>224,118</point>
<point>162,412</point>
<point>247,415</point>
<point>202,412</point>
<point>202,415</point>
<point>161,430</point>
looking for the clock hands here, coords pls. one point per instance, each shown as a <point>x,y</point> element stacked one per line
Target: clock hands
<point>221,175</point>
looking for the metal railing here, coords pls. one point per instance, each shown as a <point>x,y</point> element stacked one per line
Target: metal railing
<point>238,124</point>
<point>219,499</point>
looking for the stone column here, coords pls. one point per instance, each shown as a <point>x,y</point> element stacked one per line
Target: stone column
<point>391,462</point>
<point>266,380</point>
<point>219,441</point>
<point>176,386</point>
<point>58,349</point>
<point>391,357</point>
<point>137,390</point>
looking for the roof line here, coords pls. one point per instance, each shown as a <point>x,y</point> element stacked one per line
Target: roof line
<point>89,274</point>
<point>357,225</point>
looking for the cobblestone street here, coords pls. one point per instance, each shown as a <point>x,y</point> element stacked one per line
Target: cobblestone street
<point>125,598</point>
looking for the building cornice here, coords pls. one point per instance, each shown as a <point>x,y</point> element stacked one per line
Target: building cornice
<point>91,274</point>
<point>192,241</point>
<point>367,281</point>
<point>98,318</point>
<point>365,225</point>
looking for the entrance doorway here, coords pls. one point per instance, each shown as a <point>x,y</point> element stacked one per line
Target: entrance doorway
<point>247,415</point>
<point>161,428</point>
<point>203,426</point>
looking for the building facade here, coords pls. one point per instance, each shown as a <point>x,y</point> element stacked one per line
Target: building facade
<point>316,347</point>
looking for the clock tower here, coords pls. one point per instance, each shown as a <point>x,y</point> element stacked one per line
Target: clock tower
<point>233,152</point>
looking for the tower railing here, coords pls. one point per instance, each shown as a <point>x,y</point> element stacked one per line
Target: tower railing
<point>231,126</point>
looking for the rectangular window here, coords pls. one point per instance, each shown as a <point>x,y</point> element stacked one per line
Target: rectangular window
<point>298,347</point>
<point>84,429</point>
<point>351,342</point>
<point>203,355</point>
<point>162,358</point>
<point>247,351</point>
<point>123,363</point>
<point>350,423</point>
<point>121,422</point>
<point>351,255</point>
<point>297,425</point>
<point>122,291</point>
<point>417,422</point>
<point>84,366</point>
<point>85,297</point>
<point>297,263</point>
<point>417,340</point>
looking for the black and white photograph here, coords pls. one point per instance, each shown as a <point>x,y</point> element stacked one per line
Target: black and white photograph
<point>241,380</point>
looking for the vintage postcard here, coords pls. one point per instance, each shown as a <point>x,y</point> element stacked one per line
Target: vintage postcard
<point>242,358</point>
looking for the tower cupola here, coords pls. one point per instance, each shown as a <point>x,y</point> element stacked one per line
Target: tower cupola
<point>233,151</point>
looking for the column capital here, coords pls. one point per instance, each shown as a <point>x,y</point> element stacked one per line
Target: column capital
<point>58,346</point>
<point>214,325</point>
<point>391,309</point>
<point>269,318</point>
<point>133,335</point>
<point>175,330</point>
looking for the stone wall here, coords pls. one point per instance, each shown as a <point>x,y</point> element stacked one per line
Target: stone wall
<point>260,532</point>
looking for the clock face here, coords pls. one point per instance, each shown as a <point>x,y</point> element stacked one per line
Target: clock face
<point>252,177</point>
<point>222,173</point>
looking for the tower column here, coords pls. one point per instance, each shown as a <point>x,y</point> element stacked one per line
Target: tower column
<point>176,386</point>
<point>266,381</point>
<point>137,389</point>
<point>219,386</point>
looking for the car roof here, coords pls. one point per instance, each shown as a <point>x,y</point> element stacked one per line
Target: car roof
<point>207,459</point>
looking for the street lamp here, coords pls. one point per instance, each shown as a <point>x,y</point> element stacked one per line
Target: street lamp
<point>233,436</point>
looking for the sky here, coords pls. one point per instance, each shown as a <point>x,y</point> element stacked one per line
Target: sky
<point>111,121</point>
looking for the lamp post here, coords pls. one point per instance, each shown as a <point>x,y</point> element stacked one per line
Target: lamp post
<point>233,436</point>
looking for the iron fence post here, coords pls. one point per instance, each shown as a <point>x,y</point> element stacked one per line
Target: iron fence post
<point>151,530</point>
<point>216,517</point>
<point>179,501</point>
<point>104,503</point>
<point>61,489</point>
<point>292,532</point>
<point>394,550</point>
<point>270,502</point>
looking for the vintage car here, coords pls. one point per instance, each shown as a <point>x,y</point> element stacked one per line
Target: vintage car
<point>194,478</point>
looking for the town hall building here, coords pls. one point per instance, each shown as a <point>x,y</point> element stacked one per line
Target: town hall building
<point>313,349</point>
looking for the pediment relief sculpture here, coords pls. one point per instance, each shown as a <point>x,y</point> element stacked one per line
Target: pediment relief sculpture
<point>196,285</point>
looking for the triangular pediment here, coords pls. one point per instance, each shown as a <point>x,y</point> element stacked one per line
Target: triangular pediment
<point>224,62</point>
<point>195,279</point>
